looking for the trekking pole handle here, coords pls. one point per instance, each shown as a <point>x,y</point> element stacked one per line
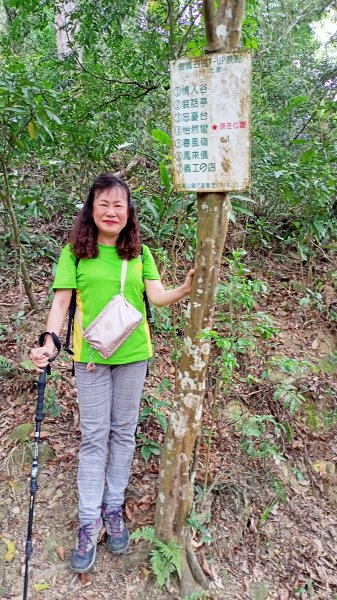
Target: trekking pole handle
<point>40,394</point>
<point>56,340</point>
<point>43,376</point>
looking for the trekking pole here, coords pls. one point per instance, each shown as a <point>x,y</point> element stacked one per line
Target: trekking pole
<point>33,482</point>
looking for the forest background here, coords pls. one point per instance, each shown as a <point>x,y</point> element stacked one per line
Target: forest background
<point>90,93</point>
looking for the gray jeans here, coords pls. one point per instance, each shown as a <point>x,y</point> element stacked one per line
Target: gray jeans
<point>109,401</point>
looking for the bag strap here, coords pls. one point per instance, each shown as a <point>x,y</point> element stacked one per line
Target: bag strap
<point>72,309</point>
<point>149,316</point>
<point>123,275</point>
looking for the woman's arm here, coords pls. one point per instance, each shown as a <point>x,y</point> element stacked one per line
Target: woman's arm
<point>158,296</point>
<point>55,321</point>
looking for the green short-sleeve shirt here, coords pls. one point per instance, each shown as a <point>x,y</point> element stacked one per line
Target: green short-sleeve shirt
<point>97,280</point>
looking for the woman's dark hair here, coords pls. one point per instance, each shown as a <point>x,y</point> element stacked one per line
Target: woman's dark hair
<point>83,236</point>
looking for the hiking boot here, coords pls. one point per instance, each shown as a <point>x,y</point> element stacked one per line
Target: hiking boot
<point>84,555</point>
<point>117,535</point>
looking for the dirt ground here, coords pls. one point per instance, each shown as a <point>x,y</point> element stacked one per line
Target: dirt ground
<point>273,523</point>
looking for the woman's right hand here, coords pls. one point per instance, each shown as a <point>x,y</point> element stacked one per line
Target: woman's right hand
<point>40,357</point>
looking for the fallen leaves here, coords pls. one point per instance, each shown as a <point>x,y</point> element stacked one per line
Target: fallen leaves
<point>60,552</point>
<point>40,587</point>
<point>85,579</point>
<point>89,596</point>
<point>11,549</point>
<point>205,566</point>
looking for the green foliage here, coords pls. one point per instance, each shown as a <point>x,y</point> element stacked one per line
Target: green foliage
<point>312,299</point>
<point>165,558</point>
<point>237,326</point>
<point>197,596</point>
<point>22,432</point>
<point>288,389</point>
<point>51,406</point>
<point>307,586</point>
<point>279,497</point>
<point>294,153</point>
<point>152,408</point>
<point>147,447</point>
<point>161,136</point>
<point>6,366</point>
<point>197,522</point>
<point>254,441</point>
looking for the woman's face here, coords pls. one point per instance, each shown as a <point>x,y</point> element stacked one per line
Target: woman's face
<point>110,213</point>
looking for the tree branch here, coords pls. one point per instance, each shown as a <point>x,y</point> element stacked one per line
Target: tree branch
<point>302,129</point>
<point>213,43</point>
<point>229,19</point>
<point>114,99</point>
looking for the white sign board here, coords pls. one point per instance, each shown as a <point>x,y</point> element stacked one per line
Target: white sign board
<point>211,101</point>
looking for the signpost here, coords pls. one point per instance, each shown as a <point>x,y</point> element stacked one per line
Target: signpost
<point>211,100</point>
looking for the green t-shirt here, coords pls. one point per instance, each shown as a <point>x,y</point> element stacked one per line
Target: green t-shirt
<point>97,280</point>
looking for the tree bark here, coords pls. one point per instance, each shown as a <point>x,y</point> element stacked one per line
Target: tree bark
<point>229,19</point>
<point>23,271</point>
<point>175,495</point>
<point>65,30</point>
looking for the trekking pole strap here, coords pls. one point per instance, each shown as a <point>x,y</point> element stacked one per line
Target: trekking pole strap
<point>56,341</point>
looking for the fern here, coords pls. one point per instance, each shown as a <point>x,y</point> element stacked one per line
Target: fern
<point>171,552</point>
<point>161,568</point>
<point>144,533</point>
<point>165,558</point>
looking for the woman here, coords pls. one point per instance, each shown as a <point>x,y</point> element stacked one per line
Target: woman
<point>109,390</point>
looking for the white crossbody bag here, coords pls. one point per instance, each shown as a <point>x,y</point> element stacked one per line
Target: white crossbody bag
<point>114,323</point>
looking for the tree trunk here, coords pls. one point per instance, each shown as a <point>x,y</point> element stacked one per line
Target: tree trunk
<point>22,267</point>
<point>65,29</point>
<point>175,494</point>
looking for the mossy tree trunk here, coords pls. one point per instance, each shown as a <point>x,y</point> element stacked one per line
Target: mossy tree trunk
<point>175,494</point>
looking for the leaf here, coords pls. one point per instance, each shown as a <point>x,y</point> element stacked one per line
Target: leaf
<point>302,250</point>
<point>155,451</point>
<point>278,174</point>
<point>242,209</point>
<point>85,579</point>
<point>31,130</point>
<point>52,116</point>
<point>147,230</point>
<point>128,512</point>
<point>11,549</point>
<point>161,136</point>
<point>145,533</point>
<point>298,142</point>
<point>307,155</point>
<point>162,421</point>
<point>146,452</point>
<point>295,102</point>
<point>152,208</point>
<point>244,198</point>
<point>39,587</point>
<point>160,568</point>
<point>165,179</point>
<point>60,552</point>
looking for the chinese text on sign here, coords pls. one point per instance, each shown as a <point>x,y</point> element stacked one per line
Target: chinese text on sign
<point>211,98</point>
